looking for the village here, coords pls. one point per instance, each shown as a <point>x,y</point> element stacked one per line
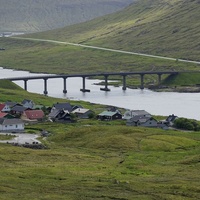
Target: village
<point>15,116</point>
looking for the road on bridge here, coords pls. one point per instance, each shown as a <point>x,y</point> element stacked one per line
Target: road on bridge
<point>107,49</point>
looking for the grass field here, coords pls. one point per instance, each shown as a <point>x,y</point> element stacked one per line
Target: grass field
<point>103,162</point>
<point>99,160</point>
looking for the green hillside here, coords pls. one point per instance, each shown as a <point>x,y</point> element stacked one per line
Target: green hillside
<point>98,160</point>
<point>102,162</point>
<point>34,16</point>
<point>167,28</point>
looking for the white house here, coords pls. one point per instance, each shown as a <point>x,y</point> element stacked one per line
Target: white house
<point>82,113</point>
<point>4,108</point>
<point>11,125</point>
<point>132,113</point>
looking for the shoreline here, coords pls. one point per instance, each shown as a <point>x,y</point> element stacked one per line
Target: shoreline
<point>179,89</point>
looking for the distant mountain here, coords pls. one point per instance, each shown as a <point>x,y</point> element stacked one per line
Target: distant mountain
<point>158,27</point>
<point>40,15</point>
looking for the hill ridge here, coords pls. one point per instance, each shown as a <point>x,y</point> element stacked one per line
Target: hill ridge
<point>154,27</point>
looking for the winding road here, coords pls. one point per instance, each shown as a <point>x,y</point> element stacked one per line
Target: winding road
<point>107,49</point>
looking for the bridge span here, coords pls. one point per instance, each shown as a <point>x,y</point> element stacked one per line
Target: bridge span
<point>84,76</point>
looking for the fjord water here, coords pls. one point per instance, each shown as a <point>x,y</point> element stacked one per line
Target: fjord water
<point>157,103</point>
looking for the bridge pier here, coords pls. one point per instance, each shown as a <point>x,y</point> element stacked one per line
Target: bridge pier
<point>106,84</point>
<point>159,78</point>
<point>142,81</point>
<point>25,84</point>
<point>84,89</point>
<point>124,82</point>
<point>64,85</point>
<point>45,86</point>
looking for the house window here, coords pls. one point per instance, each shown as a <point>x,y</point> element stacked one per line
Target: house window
<point>16,126</point>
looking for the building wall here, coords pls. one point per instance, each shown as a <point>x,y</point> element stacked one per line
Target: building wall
<point>13,127</point>
<point>150,123</point>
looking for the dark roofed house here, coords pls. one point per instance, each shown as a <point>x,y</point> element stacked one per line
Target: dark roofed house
<point>60,116</point>
<point>142,121</point>
<point>76,106</point>
<point>62,106</point>
<point>171,118</point>
<point>18,110</point>
<point>16,125</point>
<point>28,103</point>
<point>109,115</point>
<point>168,122</point>
<point>11,103</point>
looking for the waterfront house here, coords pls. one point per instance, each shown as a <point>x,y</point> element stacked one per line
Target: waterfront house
<point>109,115</point>
<point>62,106</point>
<point>13,125</point>
<point>59,116</point>
<point>28,103</point>
<point>142,121</point>
<point>169,122</point>
<point>76,106</point>
<point>170,119</point>
<point>82,113</point>
<point>132,113</point>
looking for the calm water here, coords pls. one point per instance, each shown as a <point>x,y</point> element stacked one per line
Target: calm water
<point>158,103</point>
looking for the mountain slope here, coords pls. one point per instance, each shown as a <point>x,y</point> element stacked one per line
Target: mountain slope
<point>168,28</point>
<point>35,15</point>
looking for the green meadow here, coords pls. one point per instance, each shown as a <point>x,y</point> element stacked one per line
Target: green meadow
<point>103,161</point>
<point>100,160</point>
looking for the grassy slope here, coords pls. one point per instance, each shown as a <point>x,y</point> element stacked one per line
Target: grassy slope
<point>52,58</point>
<point>168,28</point>
<point>103,162</point>
<point>182,79</point>
<point>99,160</point>
<point>129,29</point>
<point>33,16</point>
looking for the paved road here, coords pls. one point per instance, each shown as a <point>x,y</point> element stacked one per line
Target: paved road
<point>107,49</point>
<point>21,138</point>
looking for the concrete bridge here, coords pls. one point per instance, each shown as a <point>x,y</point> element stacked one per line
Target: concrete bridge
<point>84,76</point>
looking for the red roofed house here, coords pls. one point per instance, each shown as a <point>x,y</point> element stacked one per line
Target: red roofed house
<point>33,115</point>
<point>6,115</point>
